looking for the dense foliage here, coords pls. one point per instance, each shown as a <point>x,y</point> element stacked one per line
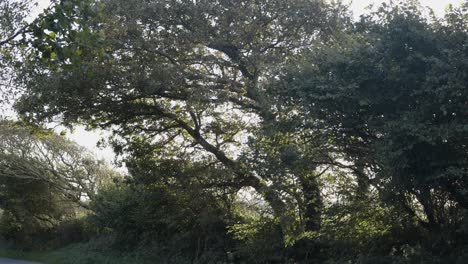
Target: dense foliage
<point>252,131</point>
<point>12,25</point>
<point>45,181</point>
<point>392,96</point>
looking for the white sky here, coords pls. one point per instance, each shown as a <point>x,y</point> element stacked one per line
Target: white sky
<point>89,139</point>
<point>359,6</point>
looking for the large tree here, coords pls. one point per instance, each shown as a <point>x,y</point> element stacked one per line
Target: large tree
<point>392,97</point>
<point>187,77</point>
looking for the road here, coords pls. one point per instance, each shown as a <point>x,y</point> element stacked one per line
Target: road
<point>14,261</point>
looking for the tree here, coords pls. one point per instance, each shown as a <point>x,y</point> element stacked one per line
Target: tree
<point>391,96</point>
<point>187,77</point>
<point>45,181</point>
<point>32,154</point>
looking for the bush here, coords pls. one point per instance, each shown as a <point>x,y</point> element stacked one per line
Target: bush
<point>162,222</point>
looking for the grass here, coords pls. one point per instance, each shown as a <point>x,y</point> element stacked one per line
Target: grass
<point>33,256</point>
<point>73,254</point>
<point>97,250</point>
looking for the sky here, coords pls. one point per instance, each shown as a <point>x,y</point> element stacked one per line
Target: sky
<point>359,6</point>
<point>89,139</point>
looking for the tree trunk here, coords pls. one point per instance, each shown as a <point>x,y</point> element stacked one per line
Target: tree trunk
<point>312,203</point>
<point>278,206</point>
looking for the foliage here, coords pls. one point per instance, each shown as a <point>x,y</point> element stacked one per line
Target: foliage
<point>253,131</point>
<point>180,76</point>
<point>259,241</point>
<point>45,182</point>
<point>35,154</point>
<point>12,26</point>
<point>391,94</point>
<point>181,222</point>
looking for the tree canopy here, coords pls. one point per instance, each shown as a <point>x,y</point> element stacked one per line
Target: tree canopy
<point>184,74</point>
<point>261,131</point>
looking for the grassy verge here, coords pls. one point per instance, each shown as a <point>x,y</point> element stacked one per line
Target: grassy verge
<point>33,256</point>
<point>73,254</point>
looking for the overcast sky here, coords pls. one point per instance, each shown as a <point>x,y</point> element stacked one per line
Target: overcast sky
<point>358,6</point>
<point>89,139</point>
